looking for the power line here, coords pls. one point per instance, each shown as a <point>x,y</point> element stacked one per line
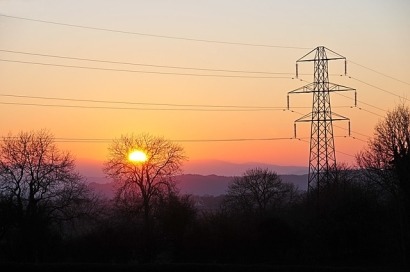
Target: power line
<point>371,85</point>
<point>151,104</point>
<point>350,155</point>
<point>144,109</point>
<point>365,103</point>
<point>381,89</point>
<point>235,140</point>
<point>352,137</point>
<point>370,112</point>
<point>107,140</point>
<point>178,38</point>
<point>140,109</point>
<point>344,153</point>
<point>153,35</point>
<point>380,73</point>
<point>361,140</point>
<point>139,71</point>
<point>137,103</point>
<point>362,109</point>
<point>144,64</point>
<point>358,133</point>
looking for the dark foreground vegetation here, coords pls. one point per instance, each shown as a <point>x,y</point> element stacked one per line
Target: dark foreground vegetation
<point>185,267</point>
<point>358,220</point>
<point>349,226</point>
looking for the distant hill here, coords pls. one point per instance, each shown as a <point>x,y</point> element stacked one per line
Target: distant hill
<point>223,168</point>
<point>300,181</point>
<point>92,170</point>
<point>194,184</point>
<point>217,185</point>
<point>203,185</point>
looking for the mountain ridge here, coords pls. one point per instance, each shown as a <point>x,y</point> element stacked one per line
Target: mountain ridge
<point>195,184</point>
<point>224,168</point>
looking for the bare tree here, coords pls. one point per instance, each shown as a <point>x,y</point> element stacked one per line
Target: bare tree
<point>257,191</point>
<point>38,183</point>
<point>140,182</point>
<point>387,157</point>
<point>386,163</point>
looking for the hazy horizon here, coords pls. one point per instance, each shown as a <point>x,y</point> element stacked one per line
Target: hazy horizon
<point>92,171</point>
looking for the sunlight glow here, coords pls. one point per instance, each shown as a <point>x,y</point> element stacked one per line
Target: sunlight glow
<point>137,156</point>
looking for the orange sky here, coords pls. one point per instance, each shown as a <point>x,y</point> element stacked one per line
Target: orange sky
<point>370,33</point>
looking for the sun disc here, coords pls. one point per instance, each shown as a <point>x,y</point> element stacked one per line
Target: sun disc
<point>137,156</point>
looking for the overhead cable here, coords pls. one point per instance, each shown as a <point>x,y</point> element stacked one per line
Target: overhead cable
<point>153,35</point>
<point>144,64</point>
<point>380,73</point>
<point>141,71</point>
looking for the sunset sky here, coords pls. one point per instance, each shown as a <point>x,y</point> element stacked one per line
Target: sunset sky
<point>186,104</point>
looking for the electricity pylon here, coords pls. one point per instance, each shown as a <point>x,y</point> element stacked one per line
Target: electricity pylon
<point>322,158</point>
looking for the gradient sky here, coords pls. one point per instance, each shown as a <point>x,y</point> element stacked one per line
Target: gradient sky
<point>374,34</point>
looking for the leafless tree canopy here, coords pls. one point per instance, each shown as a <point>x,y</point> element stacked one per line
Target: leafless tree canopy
<point>139,182</point>
<point>387,157</point>
<point>36,177</point>
<point>258,190</point>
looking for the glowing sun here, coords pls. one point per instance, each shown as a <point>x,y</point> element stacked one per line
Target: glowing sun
<point>137,156</point>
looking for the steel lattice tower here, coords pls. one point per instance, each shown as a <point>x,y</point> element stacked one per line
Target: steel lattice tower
<point>322,158</point>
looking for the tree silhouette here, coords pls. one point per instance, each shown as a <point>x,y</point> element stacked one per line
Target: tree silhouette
<point>140,184</point>
<point>38,187</point>
<point>257,191</point>
<point>386,164</point>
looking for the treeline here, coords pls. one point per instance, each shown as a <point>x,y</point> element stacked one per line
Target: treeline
<point>349,224</point>
<point>356,217</point>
